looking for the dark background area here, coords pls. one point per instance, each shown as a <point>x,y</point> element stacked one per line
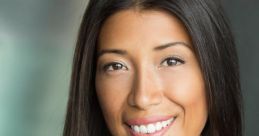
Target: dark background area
<point>244,18</point>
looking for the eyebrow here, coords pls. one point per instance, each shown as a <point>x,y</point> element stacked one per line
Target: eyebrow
<point>112,51</point>
<point>167,45</point>
<point>158,48</point>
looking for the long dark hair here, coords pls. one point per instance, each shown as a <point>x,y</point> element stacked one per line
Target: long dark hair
<point>213,45</point>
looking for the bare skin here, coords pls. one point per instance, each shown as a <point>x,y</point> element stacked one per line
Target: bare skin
<point>147,72</point>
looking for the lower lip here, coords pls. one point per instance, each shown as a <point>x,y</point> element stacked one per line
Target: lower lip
<point>157,133</point>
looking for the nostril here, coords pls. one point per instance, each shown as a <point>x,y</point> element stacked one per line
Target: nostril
<point>146,91</point>
<point>144,100</point>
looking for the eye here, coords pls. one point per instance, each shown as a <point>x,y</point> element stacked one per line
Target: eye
<point>114,66</point>
<point>172,61</point>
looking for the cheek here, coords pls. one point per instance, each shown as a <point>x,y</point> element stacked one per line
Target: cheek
<point>112,96</point>
<point>187,90</point>
<point>186,87</point>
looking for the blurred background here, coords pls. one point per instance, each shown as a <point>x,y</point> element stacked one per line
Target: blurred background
<point>37,39</point>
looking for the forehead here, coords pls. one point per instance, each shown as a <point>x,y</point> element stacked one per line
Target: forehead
<point>141,27</point>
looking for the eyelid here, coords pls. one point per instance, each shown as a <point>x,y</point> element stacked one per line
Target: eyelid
<point>107,65</point>
<point>175,57</point>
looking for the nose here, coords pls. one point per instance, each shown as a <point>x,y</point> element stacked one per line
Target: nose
<point>146,89</point>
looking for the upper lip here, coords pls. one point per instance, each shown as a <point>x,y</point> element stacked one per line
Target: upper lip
<point>148,120</point>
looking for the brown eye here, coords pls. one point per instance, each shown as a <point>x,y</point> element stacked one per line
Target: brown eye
<point>172,61</point>
<point>114,66</point>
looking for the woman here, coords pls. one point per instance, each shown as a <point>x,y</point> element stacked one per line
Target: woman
<point>149,68</point>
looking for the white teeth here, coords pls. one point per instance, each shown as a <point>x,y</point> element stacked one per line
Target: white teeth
<point>164,123</point>
<point>143,129</point>
<point>136,129</point>
<point>151,128</point>
<point>158,126</point>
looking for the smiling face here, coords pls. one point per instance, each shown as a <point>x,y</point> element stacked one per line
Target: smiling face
<point>148,80</point>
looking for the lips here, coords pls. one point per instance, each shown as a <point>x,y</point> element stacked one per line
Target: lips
<point>152,126</point>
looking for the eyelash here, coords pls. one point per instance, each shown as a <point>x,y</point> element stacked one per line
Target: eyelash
<point>177,61</point>
<point>108,66</point>
<point>112,66</point>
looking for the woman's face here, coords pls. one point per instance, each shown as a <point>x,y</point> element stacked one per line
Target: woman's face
<point>148,80</point>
